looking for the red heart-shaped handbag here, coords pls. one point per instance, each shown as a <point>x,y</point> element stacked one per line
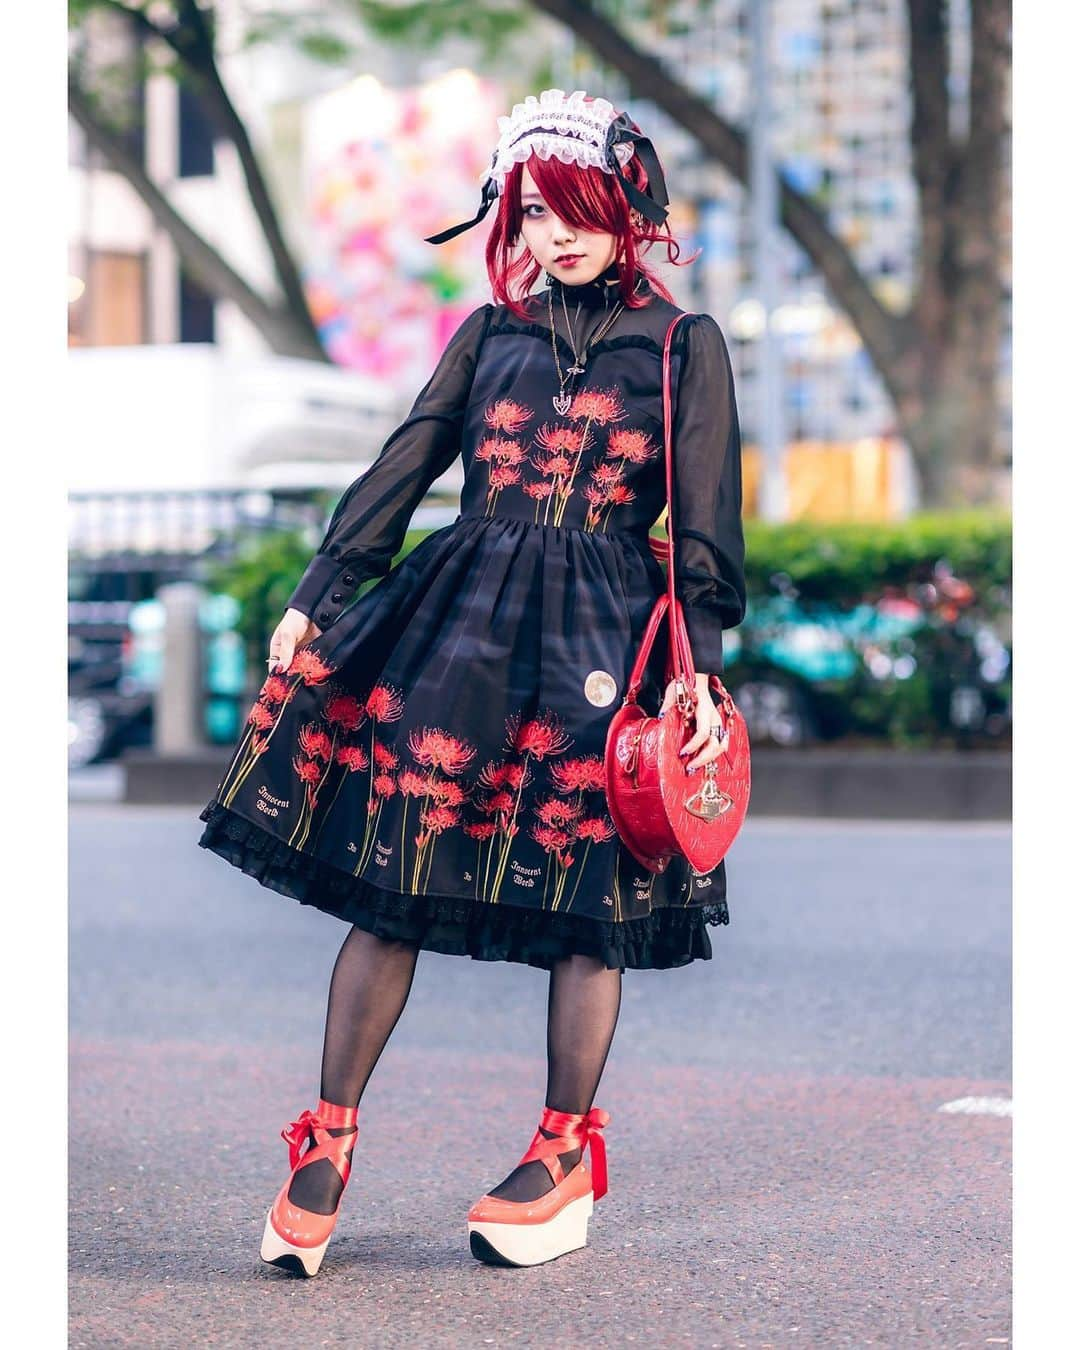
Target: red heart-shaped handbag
<point>660,809</point>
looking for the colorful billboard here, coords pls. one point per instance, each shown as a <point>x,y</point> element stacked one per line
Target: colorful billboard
<point>383,168</point>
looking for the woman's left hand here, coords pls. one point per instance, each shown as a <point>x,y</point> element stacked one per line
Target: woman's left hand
<point>707,717</point>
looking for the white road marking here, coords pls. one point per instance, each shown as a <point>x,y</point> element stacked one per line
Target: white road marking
<point>979,1106</point>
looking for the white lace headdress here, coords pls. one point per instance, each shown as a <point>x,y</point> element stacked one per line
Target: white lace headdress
<point>560,126</point>
<point>572,129</point>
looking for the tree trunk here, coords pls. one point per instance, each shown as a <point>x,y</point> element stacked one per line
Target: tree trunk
<point>947,402</point>
<point>198,53</point>
<point>952,426</point>
<point>277,325</point>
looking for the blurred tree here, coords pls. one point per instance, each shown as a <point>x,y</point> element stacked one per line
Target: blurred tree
<point>938,359</point>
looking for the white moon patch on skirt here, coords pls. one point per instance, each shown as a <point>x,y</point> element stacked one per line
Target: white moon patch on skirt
<point>600,688</point>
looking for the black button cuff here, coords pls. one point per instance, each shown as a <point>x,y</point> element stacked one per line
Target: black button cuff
<point>321,590</point>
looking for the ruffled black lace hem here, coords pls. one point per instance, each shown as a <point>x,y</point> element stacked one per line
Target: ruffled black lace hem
<point>661,940</point>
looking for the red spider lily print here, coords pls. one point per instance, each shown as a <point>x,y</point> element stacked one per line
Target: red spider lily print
<point>539,492</point>
<point>312,775</point>
<point>538,739</point>
<point>503,457</point>
<point>503,476</point>
<point>309,667</point>
<point>306,668</point>
<point>384,703</point>
<point>275,690</point>
<point>324,746</point>
<point>483,831</point>
<point>381,787</point>
<point>608,488</point>
<point>560,440</point>
<point>562,448</point>
<point>604,499</point>
<point>438,749</point>
<point>631,447</point>
<point>316,743</point>
<point>503,782</point>
<point>320,750</point>
<point>567,821</point>
<point>345,711</point>
<point>599,406</point>
<point>506,415</point>
<point>559,450</point>
<point>351,758</point>
<point>439,752</point>
<point>433,777</point>
<point>579,775</point>
<point>261,717</point>
<point>563,822</point>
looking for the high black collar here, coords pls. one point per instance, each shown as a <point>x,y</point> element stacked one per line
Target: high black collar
<point>599,293</point>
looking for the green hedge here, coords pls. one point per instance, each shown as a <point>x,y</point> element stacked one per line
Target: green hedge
<point>848,562</point>
<point>263,575</point>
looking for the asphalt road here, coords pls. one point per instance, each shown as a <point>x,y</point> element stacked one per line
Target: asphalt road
<point>781,1171</point>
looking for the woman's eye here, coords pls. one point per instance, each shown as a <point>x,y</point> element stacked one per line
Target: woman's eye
<point>534,207</point>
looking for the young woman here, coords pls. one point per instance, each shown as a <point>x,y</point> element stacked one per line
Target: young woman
<point>426,763</point>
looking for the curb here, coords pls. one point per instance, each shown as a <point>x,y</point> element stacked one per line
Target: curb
<point>883,784</point>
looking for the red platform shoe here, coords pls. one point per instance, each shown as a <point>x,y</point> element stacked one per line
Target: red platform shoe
<point>529,1232</point>
<point>293,1238</point>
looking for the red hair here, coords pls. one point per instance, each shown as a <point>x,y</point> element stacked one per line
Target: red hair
<point>589,199</point>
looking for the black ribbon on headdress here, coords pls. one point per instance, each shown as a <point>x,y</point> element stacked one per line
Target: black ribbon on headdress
<point>653,203</point>
<point>489,194</point>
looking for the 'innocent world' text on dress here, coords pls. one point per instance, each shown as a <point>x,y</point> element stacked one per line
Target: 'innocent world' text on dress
<point>431,767</point>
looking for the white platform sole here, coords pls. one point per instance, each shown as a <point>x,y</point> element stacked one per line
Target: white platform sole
<point>278,1252</point>
<point>530,1244</point>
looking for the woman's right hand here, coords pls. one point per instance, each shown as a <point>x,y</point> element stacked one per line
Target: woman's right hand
<point>293,631</point>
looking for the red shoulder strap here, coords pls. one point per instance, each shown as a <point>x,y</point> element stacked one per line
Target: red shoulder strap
<point>663,550</point>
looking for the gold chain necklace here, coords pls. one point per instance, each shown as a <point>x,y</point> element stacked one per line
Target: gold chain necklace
<point>562,400</point>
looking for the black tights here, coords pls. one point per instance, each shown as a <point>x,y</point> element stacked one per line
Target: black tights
<point>368,992</point>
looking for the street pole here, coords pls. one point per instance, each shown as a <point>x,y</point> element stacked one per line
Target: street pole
<point>179,697</point>
<point>764,225</point>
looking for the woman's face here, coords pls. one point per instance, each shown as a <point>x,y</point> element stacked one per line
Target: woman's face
<point>571,254</point>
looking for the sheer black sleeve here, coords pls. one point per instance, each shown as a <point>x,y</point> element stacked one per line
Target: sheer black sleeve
<point>369,523</point>
<point>707,472</point>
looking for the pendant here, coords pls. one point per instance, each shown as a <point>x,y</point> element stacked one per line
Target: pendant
<point>562,403</point>
<point>576,370</point>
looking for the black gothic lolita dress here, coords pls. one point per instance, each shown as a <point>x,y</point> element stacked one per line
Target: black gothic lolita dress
<point>431,767</point>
